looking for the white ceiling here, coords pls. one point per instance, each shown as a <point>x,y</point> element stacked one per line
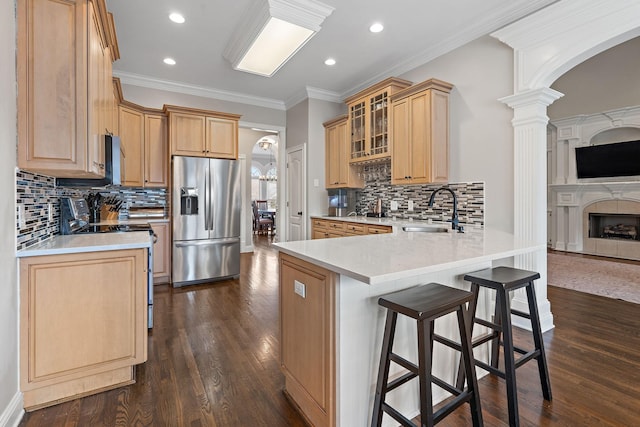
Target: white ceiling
<point>416,31</point>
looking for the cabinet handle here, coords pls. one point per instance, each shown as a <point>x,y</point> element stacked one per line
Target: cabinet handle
<point>100,165</point>
<point>300,213</point>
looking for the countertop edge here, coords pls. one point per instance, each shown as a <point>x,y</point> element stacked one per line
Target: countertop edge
<point>61,245</point>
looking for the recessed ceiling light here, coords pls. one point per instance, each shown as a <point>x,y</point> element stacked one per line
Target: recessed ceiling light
<point>177,18</point>
<point>169,61</point>
<point>376,27</point>
<point>330,61</point>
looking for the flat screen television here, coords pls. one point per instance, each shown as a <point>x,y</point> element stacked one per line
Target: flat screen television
<point>608,160</point>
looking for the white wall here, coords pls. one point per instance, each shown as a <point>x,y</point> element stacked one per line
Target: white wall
<point>10,397</point>
<point>481,138</point>
<point>604,82</point>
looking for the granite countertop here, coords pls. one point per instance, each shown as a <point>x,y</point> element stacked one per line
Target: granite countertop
<point>90,242</point>
<point>375,259</point>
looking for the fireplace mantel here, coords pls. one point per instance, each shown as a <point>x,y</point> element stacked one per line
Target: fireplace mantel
<point>569,198</point>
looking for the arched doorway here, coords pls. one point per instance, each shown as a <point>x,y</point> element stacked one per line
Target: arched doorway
<point>547,44</point>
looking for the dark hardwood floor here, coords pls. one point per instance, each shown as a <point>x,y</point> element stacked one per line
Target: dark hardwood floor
<point>213,361</point>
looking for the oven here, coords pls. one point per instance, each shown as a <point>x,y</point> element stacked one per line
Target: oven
<point>74,219</point>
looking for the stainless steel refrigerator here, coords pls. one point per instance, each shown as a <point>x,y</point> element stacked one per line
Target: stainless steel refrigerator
<point>206,219</point>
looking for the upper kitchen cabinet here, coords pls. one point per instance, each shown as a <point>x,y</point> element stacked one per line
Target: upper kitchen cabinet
<point>368,120</point>
<point>143,136</point>
<point>338,172</point>
<point>420,133</point>
<point>65,96</point>
<point>202,133</point>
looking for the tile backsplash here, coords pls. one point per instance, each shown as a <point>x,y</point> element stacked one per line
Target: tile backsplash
<point>377,177</point>
<point>35,193</point>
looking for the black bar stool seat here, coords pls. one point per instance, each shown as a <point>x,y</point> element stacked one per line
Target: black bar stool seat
<point>425,304</point>
<point>504,280</point>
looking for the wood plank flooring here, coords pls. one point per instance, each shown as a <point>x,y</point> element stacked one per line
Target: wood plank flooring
<point>213,361</point>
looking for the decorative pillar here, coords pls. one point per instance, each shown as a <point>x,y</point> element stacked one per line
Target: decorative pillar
<point>530,192</point>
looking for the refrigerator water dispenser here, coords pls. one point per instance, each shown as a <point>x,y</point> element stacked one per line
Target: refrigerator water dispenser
<point>188,201</point>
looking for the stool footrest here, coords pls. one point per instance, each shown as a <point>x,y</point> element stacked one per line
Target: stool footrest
<point>409,366</point>
<point>484,338</point>
<point>396,415</point>
<point>391,385</point>
<point>451,406</point>
<point>446,386</point>
<point>490,368</point>
<point>528,356</point>
<point>446,341</point>
<point>521,313</point>
<point>488,324</point>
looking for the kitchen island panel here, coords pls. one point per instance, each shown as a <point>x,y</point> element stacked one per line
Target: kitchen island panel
<point>359,334</point>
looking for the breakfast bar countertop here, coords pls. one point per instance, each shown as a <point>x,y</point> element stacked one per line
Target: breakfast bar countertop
<point>375,259</point>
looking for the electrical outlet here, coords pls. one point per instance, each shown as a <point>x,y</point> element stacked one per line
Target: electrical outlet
<point>394,205</point>
<point>410,205</point>
<point>300,288</point>
<point>22,222</point>
<point>50,211</point>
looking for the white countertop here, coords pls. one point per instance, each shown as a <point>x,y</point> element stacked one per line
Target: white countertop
<point>90,242</point>
<point>381,258</point>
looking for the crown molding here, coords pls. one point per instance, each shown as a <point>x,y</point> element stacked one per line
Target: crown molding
<point>202,91</point>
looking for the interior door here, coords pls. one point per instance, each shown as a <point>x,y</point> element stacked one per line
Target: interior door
<point>296,193</point>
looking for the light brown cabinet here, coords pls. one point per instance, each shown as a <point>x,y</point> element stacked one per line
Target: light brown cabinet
<point>338,171</point>
<point>131,124</point>
<point>161,253</point>
<point>307,331</point>
<point>201,133</point>
<point>369,121</point>
<point>64,56</point>
<point>83,323</point>
<point>420,133</point>
<point>143,137</point>
<point>329,228</point>
<point>156,150</point>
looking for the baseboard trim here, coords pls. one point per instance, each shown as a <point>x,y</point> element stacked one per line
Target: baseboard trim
<point>13,413</point>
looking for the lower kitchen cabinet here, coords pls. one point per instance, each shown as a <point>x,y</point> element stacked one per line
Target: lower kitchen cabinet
<point>161,252</point>
<point>307,331</point>
<point>83,323</point>
<point>328,228</point>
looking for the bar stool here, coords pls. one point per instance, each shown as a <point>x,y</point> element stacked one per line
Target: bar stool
<point>503,280</point>
<point>425,304</point>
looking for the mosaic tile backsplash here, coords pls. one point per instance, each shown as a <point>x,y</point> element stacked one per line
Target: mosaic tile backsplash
<point>378,185</point>
<point>35,192</point>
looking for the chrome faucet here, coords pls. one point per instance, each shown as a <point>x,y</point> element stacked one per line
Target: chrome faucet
<point>454,214</point>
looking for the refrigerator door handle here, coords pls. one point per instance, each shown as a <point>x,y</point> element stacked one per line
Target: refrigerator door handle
<point>211,198</point>
<point>206,242</point>
<point>206,199</point>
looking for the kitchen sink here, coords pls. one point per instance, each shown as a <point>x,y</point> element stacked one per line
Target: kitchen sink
<point>426,228</point>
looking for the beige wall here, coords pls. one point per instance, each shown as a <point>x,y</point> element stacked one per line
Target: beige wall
<point>481,139</point>
<point>10,402</point>
<point>605,82</point>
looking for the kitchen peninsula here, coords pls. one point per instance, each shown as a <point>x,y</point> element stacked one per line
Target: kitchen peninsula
<point>332,326</point>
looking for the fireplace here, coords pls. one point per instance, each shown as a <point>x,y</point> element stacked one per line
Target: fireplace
<point>614,226</point>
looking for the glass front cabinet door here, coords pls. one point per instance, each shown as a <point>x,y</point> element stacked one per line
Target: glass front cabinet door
<point>368,120</point>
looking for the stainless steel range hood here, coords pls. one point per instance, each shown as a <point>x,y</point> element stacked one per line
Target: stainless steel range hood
<point>112,168</point>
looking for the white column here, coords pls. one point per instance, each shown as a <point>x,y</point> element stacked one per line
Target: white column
<point>530,191</point>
